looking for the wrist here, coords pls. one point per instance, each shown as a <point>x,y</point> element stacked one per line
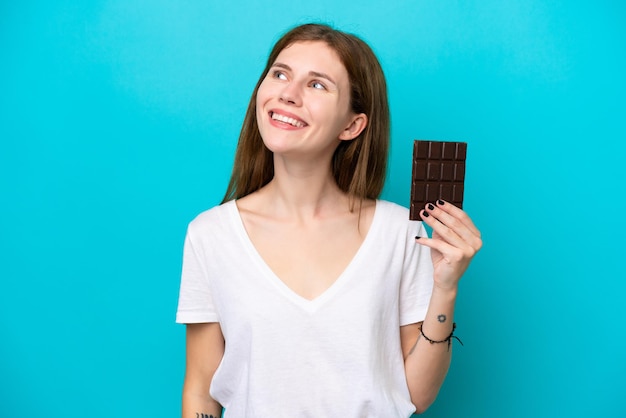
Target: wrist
<point>447,340</point>
<point>445,292</point>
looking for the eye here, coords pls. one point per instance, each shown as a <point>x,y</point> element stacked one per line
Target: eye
<point>279,75</point>
<point>318,85</point>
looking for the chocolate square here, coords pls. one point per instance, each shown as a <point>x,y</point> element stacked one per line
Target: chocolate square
<point>438,173</point>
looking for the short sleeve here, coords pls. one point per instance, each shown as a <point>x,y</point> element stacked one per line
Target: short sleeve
<point>195,302</point>
<point>417,277</point>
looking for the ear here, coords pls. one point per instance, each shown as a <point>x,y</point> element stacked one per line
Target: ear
<point>354,129</point>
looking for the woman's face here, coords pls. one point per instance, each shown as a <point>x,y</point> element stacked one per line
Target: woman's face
<point>303,104</point>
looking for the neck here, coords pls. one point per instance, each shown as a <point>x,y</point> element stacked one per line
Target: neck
<point>304,190</point>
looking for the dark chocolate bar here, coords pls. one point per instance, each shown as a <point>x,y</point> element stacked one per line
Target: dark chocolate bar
<point>438,173</point>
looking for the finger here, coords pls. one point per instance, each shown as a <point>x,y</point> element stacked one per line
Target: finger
<point>459,214</point>
<point>451,254</point>
<point>452,229</point>
<point>446,227</point>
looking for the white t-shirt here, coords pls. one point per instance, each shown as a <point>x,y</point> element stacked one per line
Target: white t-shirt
<point>338,355</point>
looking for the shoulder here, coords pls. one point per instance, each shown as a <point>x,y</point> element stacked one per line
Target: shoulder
<point>395,219</point>
<point>392,211</point>
<point>213,218</point>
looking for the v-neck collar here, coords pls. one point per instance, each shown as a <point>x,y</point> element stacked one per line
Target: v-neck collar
<point>310,305</point>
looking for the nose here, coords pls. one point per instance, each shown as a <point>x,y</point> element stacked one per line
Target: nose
<point>291,94</point>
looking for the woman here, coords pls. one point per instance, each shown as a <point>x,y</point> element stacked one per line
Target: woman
<point>303,294</point>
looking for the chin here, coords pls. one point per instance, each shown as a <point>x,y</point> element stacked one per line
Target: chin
<point>277,146</point>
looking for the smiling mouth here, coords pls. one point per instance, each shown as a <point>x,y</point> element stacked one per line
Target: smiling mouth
<point>286,119</point>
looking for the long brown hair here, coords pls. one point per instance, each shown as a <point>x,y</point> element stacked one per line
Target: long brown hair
<point>358,166</point>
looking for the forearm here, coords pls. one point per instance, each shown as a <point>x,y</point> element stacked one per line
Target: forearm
<point>205,349</point>
<point>198,406</point>
<point>427,364</point>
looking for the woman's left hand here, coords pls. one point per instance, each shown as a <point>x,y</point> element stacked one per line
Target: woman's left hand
<point>454,243</point>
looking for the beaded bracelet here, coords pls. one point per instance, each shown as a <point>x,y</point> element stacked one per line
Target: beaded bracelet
<point>448,339</point>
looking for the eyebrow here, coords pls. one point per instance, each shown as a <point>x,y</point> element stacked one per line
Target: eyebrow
<point>312,73</point>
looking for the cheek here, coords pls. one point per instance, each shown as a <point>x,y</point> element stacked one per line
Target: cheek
<point>264,91</point>
<point>333,114</point>
<point>261,96</point>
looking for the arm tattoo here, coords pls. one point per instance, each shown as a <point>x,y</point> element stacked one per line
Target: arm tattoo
<point>441,318</point>
<point>203,415</point>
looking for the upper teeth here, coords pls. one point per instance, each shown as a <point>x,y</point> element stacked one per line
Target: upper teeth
<point>288,120</point>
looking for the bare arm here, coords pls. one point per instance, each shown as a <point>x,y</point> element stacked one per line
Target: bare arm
<point>427,364</point>
<point>454,243</point>
<point>205,349</point>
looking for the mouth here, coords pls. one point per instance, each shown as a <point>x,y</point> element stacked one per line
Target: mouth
<point>297,123</point>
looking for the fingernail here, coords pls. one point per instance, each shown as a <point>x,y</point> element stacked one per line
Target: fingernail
<point>425,214</point>
<point>417,237</point>
<point>440,202</point>
<point>430,206</point>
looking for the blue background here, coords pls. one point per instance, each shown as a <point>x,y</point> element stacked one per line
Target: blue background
<point>118,124</point>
